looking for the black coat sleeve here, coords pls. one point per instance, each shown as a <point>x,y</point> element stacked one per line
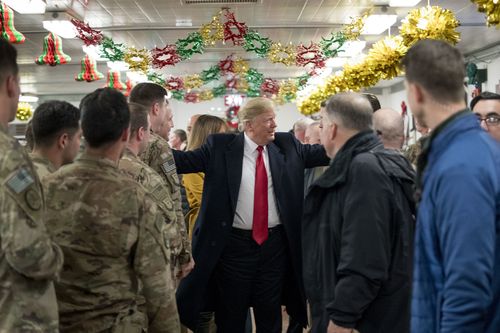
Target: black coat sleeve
<point>312,155</point>
<point>194,160</point>
<point>365,241</point>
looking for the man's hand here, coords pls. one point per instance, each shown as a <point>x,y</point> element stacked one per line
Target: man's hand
<point>185,269</point>
<point>332,328</point>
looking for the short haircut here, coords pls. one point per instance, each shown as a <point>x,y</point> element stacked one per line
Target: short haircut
<point>254,108</point>
<point>302,123</point>
<point>138,117</point>
<point>53,118</point>
<point>105,115</point>
<point>484,95</point>
<point>147,94</point>
<point>352,110</point>
<point>28,136</point>
<point>374,102</point>
<point>181,134</point>
<point>8,58</point>
<point>203,127</point>
<point>438,67</point>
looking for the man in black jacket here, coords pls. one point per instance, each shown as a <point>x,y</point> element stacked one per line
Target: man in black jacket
<point>358,227</point>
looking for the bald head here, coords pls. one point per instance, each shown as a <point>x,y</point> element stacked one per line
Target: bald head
<point>389,125</point>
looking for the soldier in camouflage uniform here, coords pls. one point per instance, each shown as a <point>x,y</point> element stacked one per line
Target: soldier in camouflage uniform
<point>153,184</point>
<point>113,235</point>
<point>56,133</point>
<point>158,156</point>
<point>29,260</point>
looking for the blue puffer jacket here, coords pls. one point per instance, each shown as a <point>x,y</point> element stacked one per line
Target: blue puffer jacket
<point>457,240</point>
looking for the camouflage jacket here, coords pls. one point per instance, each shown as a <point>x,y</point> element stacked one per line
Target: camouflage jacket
<point>43,166</point>
<point>413,151</point>
<point>114,240</point>
<point>160,192</point>
<point>158,155</point>
<point>29,260</point>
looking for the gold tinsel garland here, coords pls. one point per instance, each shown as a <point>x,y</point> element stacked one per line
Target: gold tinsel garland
<point>383,59</point>
<point>212,32</point>
<point>137,60</point>
<point>193,81</point>
<point>429,23</point>
<point>24,111</point>
<point>282,54</point>
<point>492,10</point>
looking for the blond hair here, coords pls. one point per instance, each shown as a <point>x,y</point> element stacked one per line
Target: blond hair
<point>254,108</point>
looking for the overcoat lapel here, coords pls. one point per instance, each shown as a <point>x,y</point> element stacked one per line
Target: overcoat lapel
<point>234,167</point>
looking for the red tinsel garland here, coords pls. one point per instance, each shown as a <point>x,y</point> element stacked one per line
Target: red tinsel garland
<point>166,56</point>
<point>88,35</point>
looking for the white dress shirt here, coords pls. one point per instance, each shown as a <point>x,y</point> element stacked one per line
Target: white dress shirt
<point>243,219</point>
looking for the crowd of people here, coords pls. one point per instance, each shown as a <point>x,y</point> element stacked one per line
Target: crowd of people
<point>332,221</point>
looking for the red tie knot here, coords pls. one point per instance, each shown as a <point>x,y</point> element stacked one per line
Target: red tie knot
<point>260,149</point>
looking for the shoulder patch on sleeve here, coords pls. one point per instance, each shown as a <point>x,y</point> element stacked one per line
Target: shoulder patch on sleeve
<point>168,165</point>
<point>20,181</point>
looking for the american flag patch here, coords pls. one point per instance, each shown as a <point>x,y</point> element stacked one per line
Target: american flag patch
<point>20,181</point>
<point>168,166</point>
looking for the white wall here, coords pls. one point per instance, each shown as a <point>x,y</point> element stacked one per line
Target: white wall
<point>493,76</point>
<point>286,115</point>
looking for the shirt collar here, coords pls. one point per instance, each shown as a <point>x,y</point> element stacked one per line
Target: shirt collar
<point>251,146</point>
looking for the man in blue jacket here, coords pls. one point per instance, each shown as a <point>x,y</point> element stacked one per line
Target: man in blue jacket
<point>456,285</point>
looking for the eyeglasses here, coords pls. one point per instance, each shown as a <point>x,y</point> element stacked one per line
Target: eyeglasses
<point>491,119</point>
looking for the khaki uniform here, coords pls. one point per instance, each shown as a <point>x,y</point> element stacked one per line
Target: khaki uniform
<point>43,166</point>
<point>29,260</point>
<point>413,151</point>
<point>158,155</point>
<point>156,187</point>
<point>115,243</point>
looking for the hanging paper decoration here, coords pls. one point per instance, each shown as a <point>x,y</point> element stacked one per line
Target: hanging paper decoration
<point>113,81</point>
<point>429,23</point>
<point>211,74</point>
<point>254,42</point>
<point>234,31</point>
<point>231,82</point>
<point>166,56</point>
<point>212,32</point>
<point>310,55</point>
<point>331,45</point>
<point>226,65</point>
<point>111,50</point>
<point>52,51</point>
<point>492,10</point>
<point>206,95</point>
<point>240,66</point>
<point>192,81</point>
<point>191,97</point>
<point>287,91</point>
<point>24,111</point>
<point>88,35</point>
<point>219,90</point>
<point>282,54</point>
<point>270,86</point>
<point>137,60</point>
<point>190,45</point>
<point>174,83</point>
<point>178,95</point>
<point>9,32</point>
<point>130,86</point>
<point>89,71</point>
<point>156,78</point>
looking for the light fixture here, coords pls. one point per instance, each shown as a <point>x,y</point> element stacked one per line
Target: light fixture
<point>352,48</point>
<point>120,66</point>
<point>378,23</point>
<point>93,52</point>
<point>27,6</point>
<point>403,3</point>
<point>28,98</point>
<point>183,23</point>
<point>137,77</point>
<point>59,23</point>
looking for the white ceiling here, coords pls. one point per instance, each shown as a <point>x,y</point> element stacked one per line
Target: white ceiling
<point>150,23</point>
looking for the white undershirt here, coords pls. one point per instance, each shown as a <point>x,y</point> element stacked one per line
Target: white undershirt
<point>243,219</point>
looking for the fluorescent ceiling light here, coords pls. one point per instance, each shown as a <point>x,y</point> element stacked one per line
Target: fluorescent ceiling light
<point>28,98</point>
<point>62,28</point>
<point>403,3</point>
<point>352,48</point>
<point>120,66</point>
<point>137,77</point>
<point>184,23</point>
<point>377,24</point>
<point>27,6</point>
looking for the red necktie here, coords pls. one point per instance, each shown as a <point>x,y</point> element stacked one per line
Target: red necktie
<point>260,207</point>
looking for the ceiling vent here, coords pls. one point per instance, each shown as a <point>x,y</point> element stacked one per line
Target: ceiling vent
<point>221,2</point>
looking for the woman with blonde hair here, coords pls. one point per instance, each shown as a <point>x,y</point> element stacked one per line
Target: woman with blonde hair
<point>193,182</point>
